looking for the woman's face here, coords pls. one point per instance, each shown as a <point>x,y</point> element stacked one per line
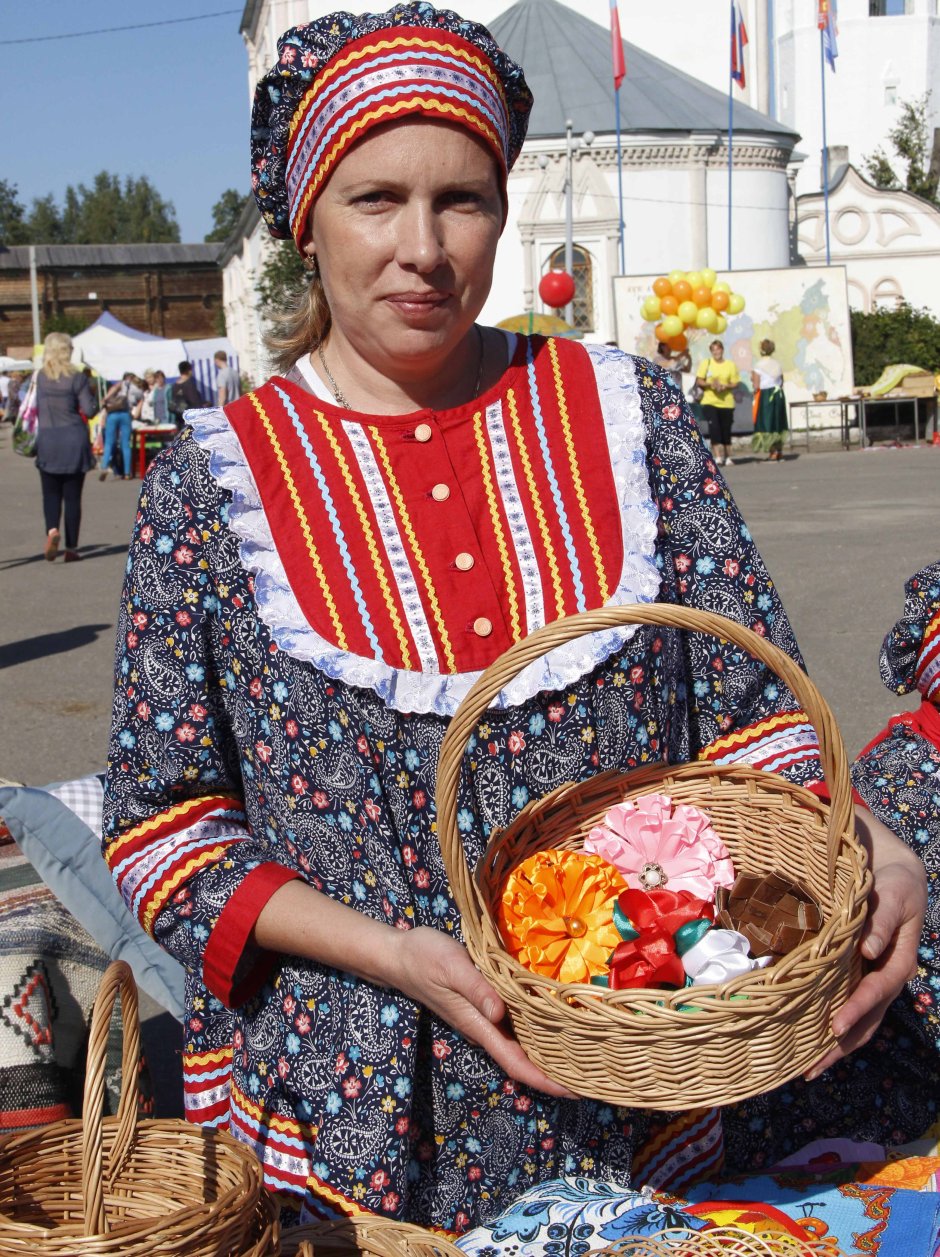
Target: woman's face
<point>718,350</point>
<point>405,233</point>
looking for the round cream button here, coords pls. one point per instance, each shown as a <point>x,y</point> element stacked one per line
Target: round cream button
<point>482,627</point>
<point>464,562</point>
<point>440,492</point>
<point>423,432</point>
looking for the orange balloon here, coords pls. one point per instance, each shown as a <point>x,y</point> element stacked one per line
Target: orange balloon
<point>678,344</point>
<point>669,305</point>
<point>682,291</point>
<point>662,286</point>
<point>661,337</point>
<point>702,296</point>
<point>720,301</point>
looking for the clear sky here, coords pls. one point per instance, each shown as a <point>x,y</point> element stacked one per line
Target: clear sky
<point>169,101</point>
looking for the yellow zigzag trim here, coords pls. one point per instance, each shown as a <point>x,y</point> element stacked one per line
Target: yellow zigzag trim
<point>576,474</point>
<point>370,538</point>
<point>154,822</point>
<point>303,521</point>
<point>671,1131</point>
<point>429,104</point>
<point>198,1060</point>
<point>752,732</point>
<point>283,1125</point>
<point>391,45</point>
<point>537,503</point>
<point>413,542</point>
<point>497,527</point>
<point>176,879</point>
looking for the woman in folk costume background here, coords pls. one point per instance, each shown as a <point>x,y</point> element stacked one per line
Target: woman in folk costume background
<point>318,574</point>
<point>770,405</point>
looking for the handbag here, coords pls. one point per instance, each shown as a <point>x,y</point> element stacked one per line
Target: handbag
<point>117,401</point>
<point>697,391</point>
<point>26,427</point>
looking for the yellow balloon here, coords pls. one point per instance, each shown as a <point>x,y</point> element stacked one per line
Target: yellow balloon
<point>688,312</point>
<point>721,286</point>
<point>676,276</point>
<point>672,326</point>
<point>721,324</point>
<point>735,303</point>
<point>650,309</point>
<point>707,319</point>
<point>708,276</point>
<point>694,279</point>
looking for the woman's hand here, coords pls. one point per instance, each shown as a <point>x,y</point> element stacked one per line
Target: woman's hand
<point>437,971</point>
<point>890,938</point>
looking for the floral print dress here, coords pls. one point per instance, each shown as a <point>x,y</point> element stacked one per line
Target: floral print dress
<point>251,747</point>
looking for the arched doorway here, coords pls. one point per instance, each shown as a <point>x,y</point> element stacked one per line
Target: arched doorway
<point>582,307</point>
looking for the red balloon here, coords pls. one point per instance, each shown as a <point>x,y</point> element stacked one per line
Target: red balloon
<point>556,288</point>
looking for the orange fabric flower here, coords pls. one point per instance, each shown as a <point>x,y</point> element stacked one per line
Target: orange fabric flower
<point>556,914</point>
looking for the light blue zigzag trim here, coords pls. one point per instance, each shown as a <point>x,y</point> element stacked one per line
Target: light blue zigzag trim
<point>414,57</point>
<point>405,89</point>
<point>334,520</point>
<point>553,480</point>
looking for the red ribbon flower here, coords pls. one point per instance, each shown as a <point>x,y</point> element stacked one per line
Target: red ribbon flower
<point>652,959</point>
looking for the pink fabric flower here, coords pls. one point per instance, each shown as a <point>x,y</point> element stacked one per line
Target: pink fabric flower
<point>653,844</point>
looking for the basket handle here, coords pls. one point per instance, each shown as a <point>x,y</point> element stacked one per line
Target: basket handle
<point>118,978</point>
<point>666,615</point>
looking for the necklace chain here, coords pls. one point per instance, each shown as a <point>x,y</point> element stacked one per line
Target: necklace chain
<point>341,399</point>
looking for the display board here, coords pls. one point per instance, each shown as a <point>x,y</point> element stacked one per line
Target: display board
<point>803,310</point>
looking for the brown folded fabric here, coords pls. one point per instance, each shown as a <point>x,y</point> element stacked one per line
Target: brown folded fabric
<point>773,913</point>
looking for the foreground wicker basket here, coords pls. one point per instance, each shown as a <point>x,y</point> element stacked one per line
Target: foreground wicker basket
<point>652,1048</point>
<point>725,1241</point>
<point>366,1235</point>
<point>109,1186</point>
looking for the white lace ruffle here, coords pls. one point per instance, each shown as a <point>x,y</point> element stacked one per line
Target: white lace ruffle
<point>423,692</point>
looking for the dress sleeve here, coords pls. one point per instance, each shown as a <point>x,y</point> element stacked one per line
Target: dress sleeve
<point>738,710</point>
<point>176,834</point>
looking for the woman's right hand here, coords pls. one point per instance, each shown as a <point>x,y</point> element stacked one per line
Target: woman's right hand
<point>437,971</point>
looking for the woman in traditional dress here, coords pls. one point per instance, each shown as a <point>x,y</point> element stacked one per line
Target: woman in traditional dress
<point>318,574</point>
<point>770,405</point>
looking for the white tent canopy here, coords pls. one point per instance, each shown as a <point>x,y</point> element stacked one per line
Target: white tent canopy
<point>112,347</point>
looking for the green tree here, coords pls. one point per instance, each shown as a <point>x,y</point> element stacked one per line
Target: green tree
<point>44,223</point>
<point>282,277</point>
<point>71,324</point>
<point>893,336</point>
<point>914,148</point>
<point>111,213</point>
<point>12,226</point>
<point>225,215</point>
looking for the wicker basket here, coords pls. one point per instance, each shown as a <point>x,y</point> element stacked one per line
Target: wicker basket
<point>723,1241</point>
<point>642,1047</point>
<point>108,1186</point>
<point>368,1235</point>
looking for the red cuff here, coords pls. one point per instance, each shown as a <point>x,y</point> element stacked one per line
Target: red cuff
<point>229,938</point>
<point>821,790</point>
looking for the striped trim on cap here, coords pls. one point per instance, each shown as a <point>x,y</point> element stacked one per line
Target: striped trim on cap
<point>381,77</point>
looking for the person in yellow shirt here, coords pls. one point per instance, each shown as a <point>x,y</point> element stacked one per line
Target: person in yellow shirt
<point>718,376</point>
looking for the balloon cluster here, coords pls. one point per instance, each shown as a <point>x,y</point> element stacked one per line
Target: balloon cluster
<point>686,300</point>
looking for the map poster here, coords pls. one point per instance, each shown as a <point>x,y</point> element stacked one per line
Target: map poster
<point>804,310</point>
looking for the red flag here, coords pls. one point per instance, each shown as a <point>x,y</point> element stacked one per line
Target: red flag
<point>738,43</point>
<point>620,66</point>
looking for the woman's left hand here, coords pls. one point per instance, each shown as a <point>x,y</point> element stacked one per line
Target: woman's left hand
<point>890,938</point>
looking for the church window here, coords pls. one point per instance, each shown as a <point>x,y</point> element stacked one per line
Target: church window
<point>890,8</point>
<point>887,294</point>
<point>891,94</point>
<point>582,307</point>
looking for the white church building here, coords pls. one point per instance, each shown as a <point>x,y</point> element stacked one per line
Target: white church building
<point>674,111</point>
